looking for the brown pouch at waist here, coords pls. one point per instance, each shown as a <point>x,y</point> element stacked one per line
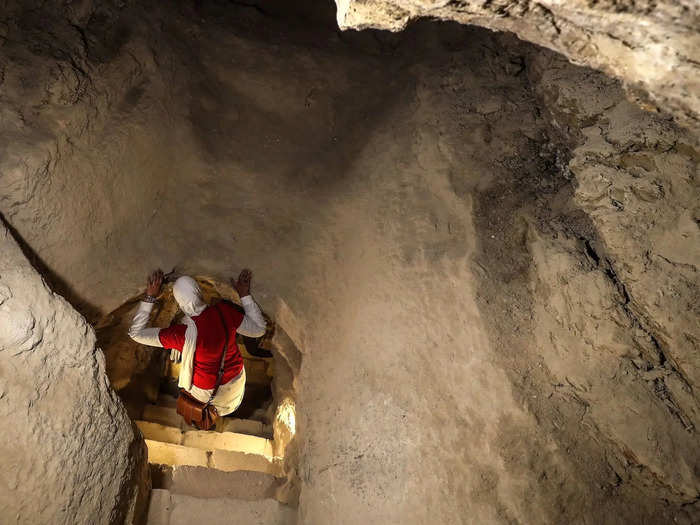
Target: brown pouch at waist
<point>195,413</point>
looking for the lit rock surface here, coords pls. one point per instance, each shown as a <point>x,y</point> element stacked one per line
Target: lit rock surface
<point>69,452</point>
<point>650,45</point>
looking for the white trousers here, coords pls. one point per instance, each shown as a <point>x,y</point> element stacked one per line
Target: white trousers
<point>229,396</point>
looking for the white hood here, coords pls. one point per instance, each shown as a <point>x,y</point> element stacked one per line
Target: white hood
<point>189,297</point>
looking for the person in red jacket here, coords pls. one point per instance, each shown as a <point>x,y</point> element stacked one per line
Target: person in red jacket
<point>201,337</point>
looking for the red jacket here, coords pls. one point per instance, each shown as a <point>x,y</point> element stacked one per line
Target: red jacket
<point>210,343</point>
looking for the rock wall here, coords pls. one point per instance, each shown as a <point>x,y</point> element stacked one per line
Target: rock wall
<point>70,453</point>
<point>584,350</point>
<point>478,340</point>
<point>635,183</point>
<point>67,147</point>
<point>651,46</point>
<point>635,180</point>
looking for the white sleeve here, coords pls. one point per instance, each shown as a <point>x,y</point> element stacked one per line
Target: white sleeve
<point>253,324</point>
<point>138,331</point>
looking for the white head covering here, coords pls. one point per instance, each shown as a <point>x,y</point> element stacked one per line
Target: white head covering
<point>189,297</point>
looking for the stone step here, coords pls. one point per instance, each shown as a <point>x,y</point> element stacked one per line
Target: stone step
<point>162,453</point>
<point>245,426</point>
<point>169,454</point>
<point>168,416</point>
<point>206,440</point>
<point>167,508</point>
<point>158,432</point>
<point>164,415</point>
<point>211,483</point>
<point>233,460</point>
<point>227,451</point>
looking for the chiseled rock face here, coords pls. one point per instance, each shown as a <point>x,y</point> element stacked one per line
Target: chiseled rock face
<point>624,319</point>
<point>635,180</point>
<point>69,452</point>
<point>649,45</point>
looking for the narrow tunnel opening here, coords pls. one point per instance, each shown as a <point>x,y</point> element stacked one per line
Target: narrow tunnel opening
<point>248,447</point>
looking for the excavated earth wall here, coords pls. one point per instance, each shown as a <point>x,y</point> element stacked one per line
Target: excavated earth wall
<point>70,454</point>
<point>487,256</point>
<point>652,46</point>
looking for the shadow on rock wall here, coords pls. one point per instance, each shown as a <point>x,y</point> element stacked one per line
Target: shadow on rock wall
<point>610,387</point>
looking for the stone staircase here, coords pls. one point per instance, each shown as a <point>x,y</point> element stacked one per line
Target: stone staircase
<point>178,509</point>
<point>228,475</point>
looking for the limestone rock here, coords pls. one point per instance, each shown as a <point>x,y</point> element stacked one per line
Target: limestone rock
<point>69,452</point>
<point>635,176</point>
<point>652,46</point>
<point>485,254</point>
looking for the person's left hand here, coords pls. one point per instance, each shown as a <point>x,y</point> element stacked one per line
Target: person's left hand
<point>155,281</point>
<point>242,285</point>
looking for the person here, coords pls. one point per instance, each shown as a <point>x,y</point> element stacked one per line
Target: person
<point>201,338</point>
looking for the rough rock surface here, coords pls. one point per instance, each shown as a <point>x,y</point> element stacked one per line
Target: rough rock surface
<point>636,181</point>
<point>70,454</point>
<point>594,338</point>
<point>653,46</point>
<point>455,222</point>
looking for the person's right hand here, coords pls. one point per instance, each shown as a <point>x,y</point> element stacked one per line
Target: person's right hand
<point>155,281</point>
<point>242,285</point>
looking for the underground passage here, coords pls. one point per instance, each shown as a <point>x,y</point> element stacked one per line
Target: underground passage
<point>474,233</point>
<point>253,437</point>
